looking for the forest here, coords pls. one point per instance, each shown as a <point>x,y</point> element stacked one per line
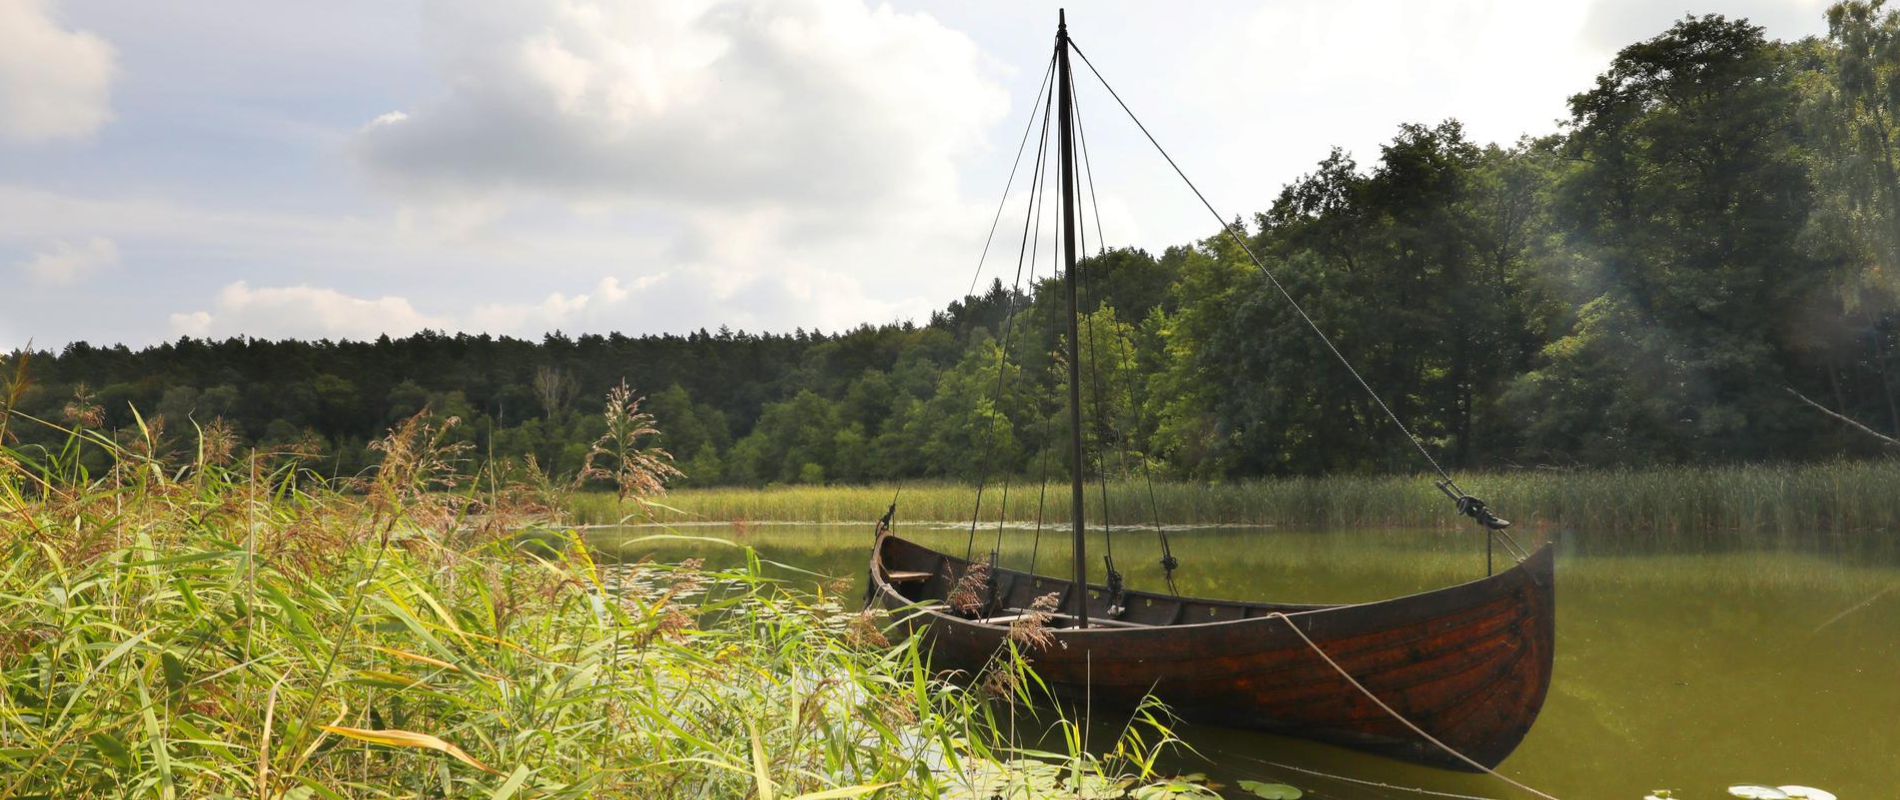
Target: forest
<point>1689,271</point>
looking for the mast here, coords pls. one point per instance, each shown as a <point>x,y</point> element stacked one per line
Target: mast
<point>1066,157</point>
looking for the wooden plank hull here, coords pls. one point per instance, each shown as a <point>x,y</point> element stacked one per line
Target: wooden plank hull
<point>1470,664</point>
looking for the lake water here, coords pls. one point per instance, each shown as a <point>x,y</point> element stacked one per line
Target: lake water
<point>1686,671</point>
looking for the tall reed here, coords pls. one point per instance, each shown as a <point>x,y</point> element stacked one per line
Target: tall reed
<point>233,627</point>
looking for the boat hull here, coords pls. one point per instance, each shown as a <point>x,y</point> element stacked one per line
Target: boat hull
<point>1469,664</point>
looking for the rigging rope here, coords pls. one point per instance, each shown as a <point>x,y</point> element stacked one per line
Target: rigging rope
<point>1047,78</point>
<point>1032,210</point>
<point>1101,454</point>
<point>1102,407</point>
<point>1088,322</point>
<point>1032,244</point>
<point>1168,562</point>
<point>1041,493</point>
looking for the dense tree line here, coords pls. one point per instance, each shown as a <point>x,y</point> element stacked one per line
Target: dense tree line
<point>1715,225</point>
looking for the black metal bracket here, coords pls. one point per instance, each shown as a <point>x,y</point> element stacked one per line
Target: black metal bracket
<point>1493,524</point>
<point>1115,590</point>
<point>1473,507</point>
<point>884,523</point>
<point>883,527</point>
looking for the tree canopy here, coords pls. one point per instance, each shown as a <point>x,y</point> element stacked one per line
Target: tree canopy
<point>1717,222</point>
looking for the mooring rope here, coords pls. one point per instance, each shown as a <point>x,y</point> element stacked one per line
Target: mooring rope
<point>1344,779</point>
<point>1394,712</point>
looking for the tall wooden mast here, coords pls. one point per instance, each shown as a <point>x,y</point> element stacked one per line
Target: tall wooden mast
<point>1066,158</point>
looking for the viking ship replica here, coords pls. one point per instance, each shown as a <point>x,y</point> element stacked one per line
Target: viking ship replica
<point>1451,678</point>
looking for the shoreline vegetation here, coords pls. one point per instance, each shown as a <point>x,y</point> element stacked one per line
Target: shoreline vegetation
<point>216,627</point>
<point>1783,500</point>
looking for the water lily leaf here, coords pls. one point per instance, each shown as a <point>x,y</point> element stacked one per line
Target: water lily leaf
<point>1756,791</point>
<point>1272,791</point>
<point>1806,793</point>
<point>1659,794</point>
<point>399,738</point>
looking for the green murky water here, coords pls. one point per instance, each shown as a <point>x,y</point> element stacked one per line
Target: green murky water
<point>1687,671</point>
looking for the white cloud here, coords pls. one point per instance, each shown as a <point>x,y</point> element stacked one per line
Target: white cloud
<point>1615,24</point>
<point>560,311</point>
<point>68,264</point>
<point>54,83</point>
<point>302,312</point>
<point>784,151</point>
<point>690,298</point>
<point>680,300</point>
<point>196,324</point>
<point>810,102</point>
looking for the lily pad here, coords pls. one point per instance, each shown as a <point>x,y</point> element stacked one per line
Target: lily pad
<point>1272,791</point>
<point>1659,794</point>
<point>1806,793</point>
<point>1756,791</point>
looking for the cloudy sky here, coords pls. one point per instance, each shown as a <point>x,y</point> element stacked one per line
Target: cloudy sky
<point>354,167</point>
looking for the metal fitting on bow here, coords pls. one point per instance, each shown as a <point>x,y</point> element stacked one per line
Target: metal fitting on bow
<point>1473,507</point>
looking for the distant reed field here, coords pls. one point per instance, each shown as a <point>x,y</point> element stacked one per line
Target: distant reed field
<point>1792,500</point>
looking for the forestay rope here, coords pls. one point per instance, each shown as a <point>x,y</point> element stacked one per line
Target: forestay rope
<point>1466,504</point>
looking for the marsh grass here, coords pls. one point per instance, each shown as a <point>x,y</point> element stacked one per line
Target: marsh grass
<point>1687,503</point>
<point>208,629</point>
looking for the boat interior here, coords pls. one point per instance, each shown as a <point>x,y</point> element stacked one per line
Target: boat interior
<point>927,578</point>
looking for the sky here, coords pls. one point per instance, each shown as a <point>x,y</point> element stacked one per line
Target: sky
<point>353,168</point>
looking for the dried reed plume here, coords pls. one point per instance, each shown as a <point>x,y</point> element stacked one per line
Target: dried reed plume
<point>13,383</point>
<point>1031,628</point>
<point>421,463</point>
<point>618,455</point>
<point>83,410</point>
<point>972,591</point>
<point>216,443</point>
<point>864,630</point>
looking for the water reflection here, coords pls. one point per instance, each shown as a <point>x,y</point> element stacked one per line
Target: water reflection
<point>1677,667</point>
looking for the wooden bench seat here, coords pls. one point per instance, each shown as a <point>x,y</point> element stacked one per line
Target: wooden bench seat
<point>1112,623</point>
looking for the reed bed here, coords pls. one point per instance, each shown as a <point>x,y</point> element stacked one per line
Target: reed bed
<point>227,629</point>
<point>1788,500</point>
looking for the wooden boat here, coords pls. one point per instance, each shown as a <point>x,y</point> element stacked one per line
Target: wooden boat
<point>1466,666</point>
<point>1469,664</point>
